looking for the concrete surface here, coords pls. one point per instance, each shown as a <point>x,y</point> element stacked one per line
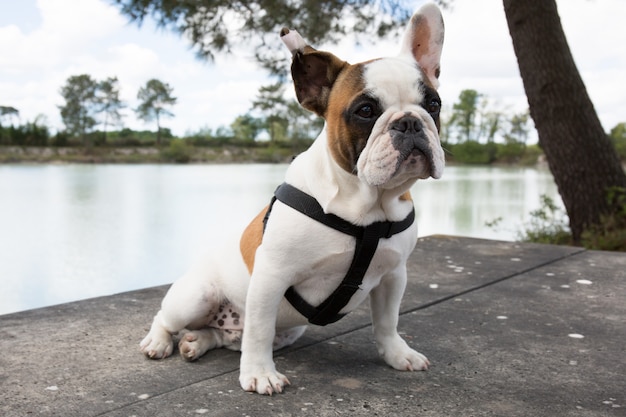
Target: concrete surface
<point>511,330</point>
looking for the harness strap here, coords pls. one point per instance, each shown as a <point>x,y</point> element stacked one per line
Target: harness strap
<point>367,238</point>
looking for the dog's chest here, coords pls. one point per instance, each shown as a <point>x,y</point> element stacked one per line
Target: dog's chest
<point>319,279</point>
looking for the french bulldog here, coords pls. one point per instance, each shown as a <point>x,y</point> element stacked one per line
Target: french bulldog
<point>339,230</point>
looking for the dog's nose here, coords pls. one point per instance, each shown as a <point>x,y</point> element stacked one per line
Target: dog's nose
<point>407,124</point>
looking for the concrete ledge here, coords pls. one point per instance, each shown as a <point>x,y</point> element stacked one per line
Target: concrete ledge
<point>511,330</point>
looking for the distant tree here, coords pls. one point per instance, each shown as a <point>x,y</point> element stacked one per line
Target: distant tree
<point>246,128</point>
<point>464,116</point>
<point>81,105</point>
<point>303,124</point>
<point>490,122</point>
<point>108,96</point>
<point>515,130</point>
<point>270,101</point>
<point>518,128</point>
<point>155,97</point>
<point>8,112</point>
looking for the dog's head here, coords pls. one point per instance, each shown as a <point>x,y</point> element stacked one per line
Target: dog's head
<point>382,116</point>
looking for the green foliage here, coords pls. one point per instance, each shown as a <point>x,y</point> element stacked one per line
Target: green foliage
<point>610,233</point>
<point>283,119</point>
<point>531,155</point>
<point>464,114</point>
<point>33,133</point>
<point>108,97</point>
<point>210,28</point>
<point>80,107</point>
<point>618,138</point>
<point>8,112</point>
<point>155,99</point>
<point>473,118</point>
<point>510,152</point>
<point>547,224</point>
<point>177,151</point>
<point>246,128</point>
<point>206,137</point>
<point>473,153</point>
<point>84,99</point>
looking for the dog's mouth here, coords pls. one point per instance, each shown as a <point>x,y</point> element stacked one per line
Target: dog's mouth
<point>417,159</point>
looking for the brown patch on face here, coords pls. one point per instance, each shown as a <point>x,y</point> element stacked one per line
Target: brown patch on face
<point>406,196</point>
<point>251,239</point>
<point>345,144</point>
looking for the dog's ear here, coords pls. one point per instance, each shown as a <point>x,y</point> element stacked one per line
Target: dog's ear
<point>424,39</point>
<point>314,72</point>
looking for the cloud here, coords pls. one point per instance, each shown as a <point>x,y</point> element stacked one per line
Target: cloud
<point>91,37</point>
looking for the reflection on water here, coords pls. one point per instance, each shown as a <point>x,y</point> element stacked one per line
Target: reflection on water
<point>466,198</point>
<point>70,232</point>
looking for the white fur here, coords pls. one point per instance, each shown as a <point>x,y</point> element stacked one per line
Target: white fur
<point>293,41</point>
<point>387,79</point>
<point>298,251</point>
<point>429,61</point>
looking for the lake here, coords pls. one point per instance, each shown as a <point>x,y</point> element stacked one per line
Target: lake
<point>69,232</point>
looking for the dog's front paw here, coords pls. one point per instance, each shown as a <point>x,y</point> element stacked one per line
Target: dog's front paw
<point>263,380</point>
<point>157,344</point>
<point>400,356</point>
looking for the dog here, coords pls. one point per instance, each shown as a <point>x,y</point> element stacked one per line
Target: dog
<point>338,231</point>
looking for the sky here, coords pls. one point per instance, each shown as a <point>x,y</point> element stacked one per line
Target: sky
<point>44,42</point>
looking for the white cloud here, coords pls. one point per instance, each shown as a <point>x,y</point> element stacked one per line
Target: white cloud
<point>91,37</point>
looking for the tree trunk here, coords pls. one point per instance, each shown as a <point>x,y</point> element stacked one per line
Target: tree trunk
<point>158,138</point>
<point>579,152</point>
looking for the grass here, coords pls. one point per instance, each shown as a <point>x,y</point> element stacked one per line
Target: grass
<point>548,224</point>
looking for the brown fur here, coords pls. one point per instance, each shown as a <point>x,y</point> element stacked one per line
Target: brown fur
<point>314,73</point>
<point>345,144</point>
<point>251,239</point>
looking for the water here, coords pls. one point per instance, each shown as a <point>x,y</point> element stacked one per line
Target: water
<point>69,232</point>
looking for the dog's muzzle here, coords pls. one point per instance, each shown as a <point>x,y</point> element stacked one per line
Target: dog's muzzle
<point>409,138</point>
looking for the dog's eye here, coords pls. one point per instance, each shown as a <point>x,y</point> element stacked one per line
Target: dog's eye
<point>366,111</point>
<point>433,107</point>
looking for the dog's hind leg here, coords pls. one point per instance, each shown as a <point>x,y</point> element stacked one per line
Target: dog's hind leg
<point>196,343</point>
<point>287,337</point>
<point>187,304</point>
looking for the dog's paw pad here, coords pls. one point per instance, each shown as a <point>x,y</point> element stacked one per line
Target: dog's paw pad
<point>188,347</point>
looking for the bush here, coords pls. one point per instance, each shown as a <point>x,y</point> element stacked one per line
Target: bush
<point>474,153</point>
<point>547,225</point>
<point>610,233</point>
<point>177,151</point>
<point>510,152</point>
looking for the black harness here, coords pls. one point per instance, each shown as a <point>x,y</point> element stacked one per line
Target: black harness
<point>367,238</point>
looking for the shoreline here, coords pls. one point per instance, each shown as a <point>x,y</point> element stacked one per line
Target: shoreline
<point>182,154</point>
<point>145,154</point>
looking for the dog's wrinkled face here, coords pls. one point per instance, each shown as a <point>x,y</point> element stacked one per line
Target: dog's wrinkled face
<point>390,113</point>
<point>382,116</point>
